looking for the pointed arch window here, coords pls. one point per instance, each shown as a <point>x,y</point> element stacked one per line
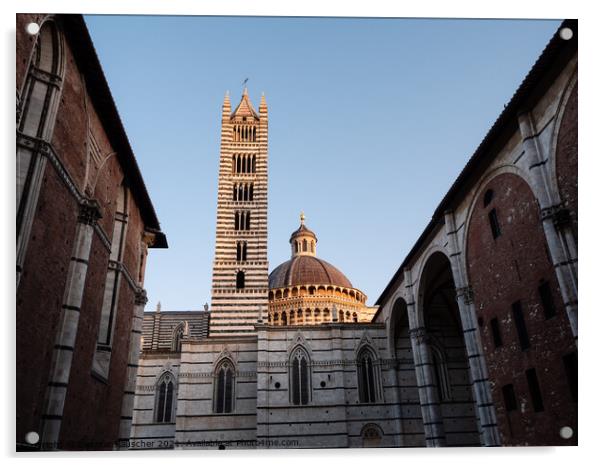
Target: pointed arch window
<point>367,376</point>
<point>300,377</point>
<point>441,373</point>
<point>164,397</point>
<point>178,334</point>
<point>223,394</point>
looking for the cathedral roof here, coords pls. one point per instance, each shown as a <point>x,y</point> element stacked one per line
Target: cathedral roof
<point>307,270</point>
<point>245,107</point>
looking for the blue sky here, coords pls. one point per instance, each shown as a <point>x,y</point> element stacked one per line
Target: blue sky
<point>371,120</point>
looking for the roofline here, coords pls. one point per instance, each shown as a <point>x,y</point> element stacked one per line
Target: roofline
<point>89,65</point>
<point>548,66</point>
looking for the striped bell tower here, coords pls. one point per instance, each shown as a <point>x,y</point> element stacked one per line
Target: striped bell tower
<point>239,294</point>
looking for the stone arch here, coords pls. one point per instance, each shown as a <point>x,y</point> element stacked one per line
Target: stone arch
<point>564,152</point>
<point>477,197</point>
<point>567,99</point>
<point>441,332</point>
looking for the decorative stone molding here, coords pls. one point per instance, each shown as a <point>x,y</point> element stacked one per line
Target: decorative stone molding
<point>466,293</point>
<point>89,211</point>
<point>419,334</point>
<point>560,215</point>
<point>140,298</point>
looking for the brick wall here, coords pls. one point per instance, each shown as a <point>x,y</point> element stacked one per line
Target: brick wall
<point>503,271</point>
<point>93,407</point>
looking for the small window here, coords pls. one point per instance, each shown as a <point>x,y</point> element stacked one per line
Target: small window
<point>495,332</point>
<point>534,390</point>
<point>240,280</point>
<point>488,197</point>
<point>494,224</point>
<point>570,367</point>
<point>521,326</point>
<point>547,300</point>
<point>509,397</point>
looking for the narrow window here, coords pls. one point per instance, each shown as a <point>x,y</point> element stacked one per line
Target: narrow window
<point>547,300</point>
<point>164,397</point>
<point>300,377</point>
<point>240,280</point>
<point>253,168</point>
<point>534,390</point>
<point>354,317</point>
<point>237,220</point>
<point>495,332</point>
<point>509,397</point>
<point>488,197</point>
<point>178,334</point>
<point>284,319</point>
<point>224,388</point>
<point>304,245</point>
<point>244,251</point>
<point>366,376</point>
<point>494,224</point>
<point>441,374</point>
<point>235,193</point>
<point>248,221</point>
<point>521,326</point>
<point>251,192</point>
<point>570,367</point>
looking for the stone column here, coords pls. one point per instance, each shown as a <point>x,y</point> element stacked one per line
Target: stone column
<point>555,219</point>
<point>472,339</point>
<point>434,432</point>
<point>62,357</point>
<point>127,404</point>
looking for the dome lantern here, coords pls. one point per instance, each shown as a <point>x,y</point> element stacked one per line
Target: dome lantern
<point>303,240</point>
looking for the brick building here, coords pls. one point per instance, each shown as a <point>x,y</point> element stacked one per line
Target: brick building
<point>496,269</point>
<point>84,225</point>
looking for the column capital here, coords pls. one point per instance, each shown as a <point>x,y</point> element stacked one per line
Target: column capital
<point>419,334</point>
<point>89,211</point>
<point>466,293</point>
<point>140,299</point>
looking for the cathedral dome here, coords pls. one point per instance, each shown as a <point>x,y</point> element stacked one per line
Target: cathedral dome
<point>307,270</point>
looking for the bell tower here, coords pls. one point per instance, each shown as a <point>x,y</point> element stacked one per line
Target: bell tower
<point>239,293</point>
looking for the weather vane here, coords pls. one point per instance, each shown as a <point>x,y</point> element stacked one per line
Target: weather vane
<point>244,83</point>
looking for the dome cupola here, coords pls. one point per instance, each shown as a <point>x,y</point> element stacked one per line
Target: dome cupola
<point>303,240</point>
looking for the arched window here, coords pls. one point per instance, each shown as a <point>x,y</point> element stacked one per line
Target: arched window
<point>304,245</point>
<point>223,391</point>
<point>366,376</point>
<point>488,197</point>
<point>240,280</point>
<point>371,436</point>
<point>178,334</point>
<point>441,374</point>
<point>354,317</point>
<point>341,316</point>
<point>300,377</point>
<point>164,397</point>
<point>284,319</point>
<point>241,251</point>
<point>494,223</point>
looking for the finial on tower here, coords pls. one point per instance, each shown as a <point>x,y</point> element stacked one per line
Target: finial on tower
<point>158,306</point>
<point>302,217</point>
